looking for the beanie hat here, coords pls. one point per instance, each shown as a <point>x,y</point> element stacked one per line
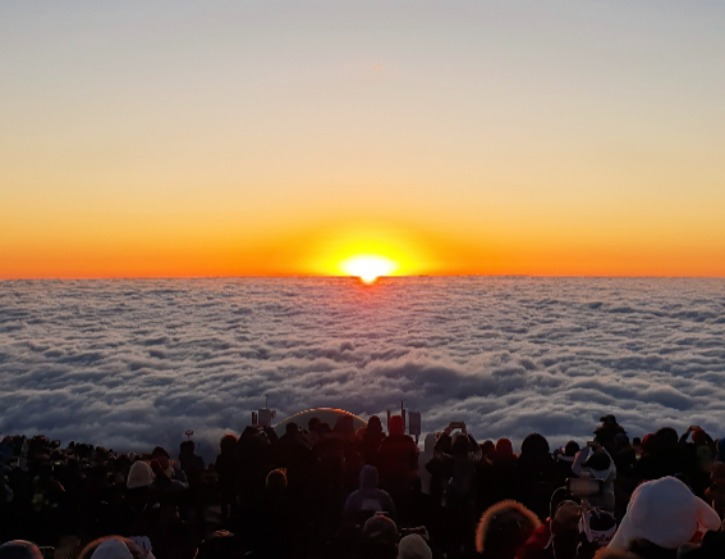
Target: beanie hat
<point>666,513</point>
<point>112,548</point>
<point>139,475</point>
<point>20,549</point>
<point>381,528</point>
<point>413,546</point>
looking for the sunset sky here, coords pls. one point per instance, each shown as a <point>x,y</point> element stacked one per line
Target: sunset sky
<point>207,138</point>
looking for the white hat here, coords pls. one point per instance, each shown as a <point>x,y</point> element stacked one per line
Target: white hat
<point>112,548</point>
<point>139,475</point>
<point>413,546</point>
<point>665,512</point>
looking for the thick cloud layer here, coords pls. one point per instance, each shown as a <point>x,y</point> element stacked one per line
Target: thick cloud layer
<point>132,364</point>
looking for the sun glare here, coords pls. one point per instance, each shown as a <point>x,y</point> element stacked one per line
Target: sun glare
<point>368,267</point>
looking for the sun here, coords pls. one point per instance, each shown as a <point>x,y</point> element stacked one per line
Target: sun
<point>367,250</point>
<point>368,267</point>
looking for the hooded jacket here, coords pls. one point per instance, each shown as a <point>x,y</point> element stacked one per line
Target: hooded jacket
<point>368,498</point>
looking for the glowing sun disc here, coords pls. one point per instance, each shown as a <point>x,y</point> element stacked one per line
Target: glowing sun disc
<point>368,268</point>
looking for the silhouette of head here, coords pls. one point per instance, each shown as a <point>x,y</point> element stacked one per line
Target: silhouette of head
<point>375,425</point>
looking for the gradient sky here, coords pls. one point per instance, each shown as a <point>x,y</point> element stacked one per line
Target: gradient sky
<point>174,138</point>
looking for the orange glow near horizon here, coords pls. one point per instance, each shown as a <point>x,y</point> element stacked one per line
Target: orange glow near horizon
<point>366,249</point>
<point>281,141</point>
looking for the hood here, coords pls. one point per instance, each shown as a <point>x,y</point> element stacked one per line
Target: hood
<point>505,527</point>
<point>369,477</point>
<point>665,512</point>
<point>112,548</point>
<point>139,475</point>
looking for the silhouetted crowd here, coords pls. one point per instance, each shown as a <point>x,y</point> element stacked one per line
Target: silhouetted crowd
<point>331,491</point>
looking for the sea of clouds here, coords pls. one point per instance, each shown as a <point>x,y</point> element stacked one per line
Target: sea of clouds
<point>134,363</point>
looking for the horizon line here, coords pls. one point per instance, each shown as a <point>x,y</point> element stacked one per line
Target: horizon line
<point>343,276</point>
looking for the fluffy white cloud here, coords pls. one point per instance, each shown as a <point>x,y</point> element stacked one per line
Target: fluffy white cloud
<point>132,364</point>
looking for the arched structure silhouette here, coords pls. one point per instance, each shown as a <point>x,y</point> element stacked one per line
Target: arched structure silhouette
<point>326,415</point>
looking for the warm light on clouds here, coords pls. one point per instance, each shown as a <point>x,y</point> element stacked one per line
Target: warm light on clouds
<point>135,363</point>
